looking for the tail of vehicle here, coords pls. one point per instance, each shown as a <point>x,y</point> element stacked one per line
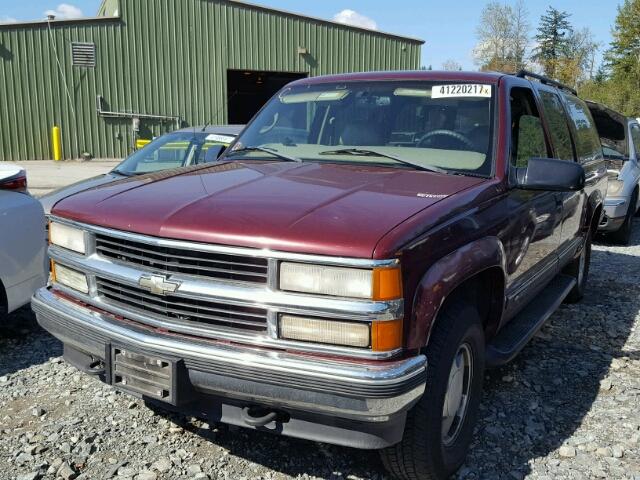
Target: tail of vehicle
<point>13,178</point>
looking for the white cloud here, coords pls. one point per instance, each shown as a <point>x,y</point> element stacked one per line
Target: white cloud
<point>5,19</point>
<point>351,17</point>
<point>65,10</point>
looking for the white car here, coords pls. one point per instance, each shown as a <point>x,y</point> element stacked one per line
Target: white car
<point>22,240</point>
<point>620,137</point>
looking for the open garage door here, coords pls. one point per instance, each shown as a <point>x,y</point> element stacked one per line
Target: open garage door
<point>249,90</point>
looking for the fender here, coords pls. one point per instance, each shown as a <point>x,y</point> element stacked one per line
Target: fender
<point>594,201</point>
<point>444,276</point>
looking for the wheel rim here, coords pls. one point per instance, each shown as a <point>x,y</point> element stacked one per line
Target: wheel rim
<point>456,399</point>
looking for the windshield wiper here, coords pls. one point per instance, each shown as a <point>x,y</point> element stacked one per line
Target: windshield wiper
<point>361,152</point>
<point>271,151</point>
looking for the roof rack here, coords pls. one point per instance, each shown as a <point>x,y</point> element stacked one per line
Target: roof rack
<point>545,80</point>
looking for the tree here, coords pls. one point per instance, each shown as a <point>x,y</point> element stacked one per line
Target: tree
<point>617,83</point>
<point>451,65</point>
<point>503,37</point>
<point>624,55</point>
<point>520,34</point>
<point>577,62</point>
<point>553,36</point>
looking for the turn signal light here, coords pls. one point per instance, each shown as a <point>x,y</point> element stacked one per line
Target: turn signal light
<point>387,283</point>
<point>386,336</point>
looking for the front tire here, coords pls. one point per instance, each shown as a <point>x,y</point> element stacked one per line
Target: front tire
<point>440,427</point>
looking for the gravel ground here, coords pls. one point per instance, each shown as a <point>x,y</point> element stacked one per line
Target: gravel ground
<point>566,408</point>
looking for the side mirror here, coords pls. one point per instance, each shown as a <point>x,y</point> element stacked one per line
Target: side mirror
<point>213,153</point>
<point>550,174</point>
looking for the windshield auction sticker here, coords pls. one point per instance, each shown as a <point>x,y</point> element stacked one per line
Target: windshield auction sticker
<point>462,90</point>
<point>220,138</point>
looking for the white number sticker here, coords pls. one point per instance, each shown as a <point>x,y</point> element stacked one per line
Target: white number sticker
<point>227,139</point>
<point>462,90</point>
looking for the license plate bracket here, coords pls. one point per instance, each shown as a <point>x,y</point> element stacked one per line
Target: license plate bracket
<point>143,375</point>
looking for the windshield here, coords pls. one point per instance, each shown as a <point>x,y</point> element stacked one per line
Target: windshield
<point>172,150</point>
<point>426,124</point>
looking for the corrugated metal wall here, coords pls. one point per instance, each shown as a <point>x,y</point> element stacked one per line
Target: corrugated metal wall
<point>161,57</point>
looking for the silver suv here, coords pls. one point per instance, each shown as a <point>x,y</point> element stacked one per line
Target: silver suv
<point>620,137</point>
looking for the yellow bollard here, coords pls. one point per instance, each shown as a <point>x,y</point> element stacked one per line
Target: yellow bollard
<point>56,140</point>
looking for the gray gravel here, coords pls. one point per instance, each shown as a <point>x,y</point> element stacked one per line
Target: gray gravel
<point>567,408</point>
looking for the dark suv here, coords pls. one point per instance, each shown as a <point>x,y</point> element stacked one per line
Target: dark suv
<point>347,268</point>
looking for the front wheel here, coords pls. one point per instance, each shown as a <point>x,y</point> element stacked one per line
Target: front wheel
<point>439,428</point>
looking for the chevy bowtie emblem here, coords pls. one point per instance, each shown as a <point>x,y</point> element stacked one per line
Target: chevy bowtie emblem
<point>158,284</point>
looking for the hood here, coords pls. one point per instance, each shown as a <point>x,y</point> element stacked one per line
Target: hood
<point>318,208</point>
<point>50,199</point>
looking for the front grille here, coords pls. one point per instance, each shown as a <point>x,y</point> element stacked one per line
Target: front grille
<point>171,307</point>
<point>170,260</point>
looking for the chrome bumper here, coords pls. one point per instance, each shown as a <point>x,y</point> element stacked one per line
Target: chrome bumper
<point>361,391</point>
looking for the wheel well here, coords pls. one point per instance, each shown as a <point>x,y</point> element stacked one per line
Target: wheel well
<point>4,302</point>
<point>595,219</point>
<point>484,290</point>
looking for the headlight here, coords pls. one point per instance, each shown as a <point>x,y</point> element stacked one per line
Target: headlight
<point>379,336</point>
<point>376,284</point>
<point>352,334</point>
<point>70,278</point>
<point>67,237</point>
<point>615,187</point>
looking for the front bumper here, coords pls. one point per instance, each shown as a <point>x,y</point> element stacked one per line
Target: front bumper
<point>357,404</point>
<point>615,212</point>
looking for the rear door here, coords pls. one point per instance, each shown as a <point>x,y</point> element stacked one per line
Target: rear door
<point>589,154</point>
<point>560,126</point>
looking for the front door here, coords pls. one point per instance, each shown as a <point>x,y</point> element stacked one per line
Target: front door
<point>536,215</point>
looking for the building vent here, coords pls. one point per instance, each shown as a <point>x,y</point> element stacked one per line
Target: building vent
<point>83,54</point>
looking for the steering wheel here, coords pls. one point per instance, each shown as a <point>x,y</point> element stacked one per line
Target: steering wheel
<point>423,142</point>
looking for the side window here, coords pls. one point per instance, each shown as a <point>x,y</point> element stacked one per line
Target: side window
<point>587,140</point>
<point>558,126</point>
<point>635,135</point>
<point>527,134</point>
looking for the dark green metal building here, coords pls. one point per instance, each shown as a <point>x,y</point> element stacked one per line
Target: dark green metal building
<point>144,67</point>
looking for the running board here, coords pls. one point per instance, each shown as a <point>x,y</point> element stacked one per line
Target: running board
<point>517,333</point>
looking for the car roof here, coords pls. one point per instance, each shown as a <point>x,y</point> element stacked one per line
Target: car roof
<point>484,77</point>
<point>601,107</point>
<point>217,129</point>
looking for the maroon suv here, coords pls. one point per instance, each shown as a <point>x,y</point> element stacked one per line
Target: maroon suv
<point>348,268</point>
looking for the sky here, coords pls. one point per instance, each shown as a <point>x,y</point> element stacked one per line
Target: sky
<point>448,28</point>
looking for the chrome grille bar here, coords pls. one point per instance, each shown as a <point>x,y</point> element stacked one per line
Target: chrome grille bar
<point>175,260</point>
<point>209,313</point>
